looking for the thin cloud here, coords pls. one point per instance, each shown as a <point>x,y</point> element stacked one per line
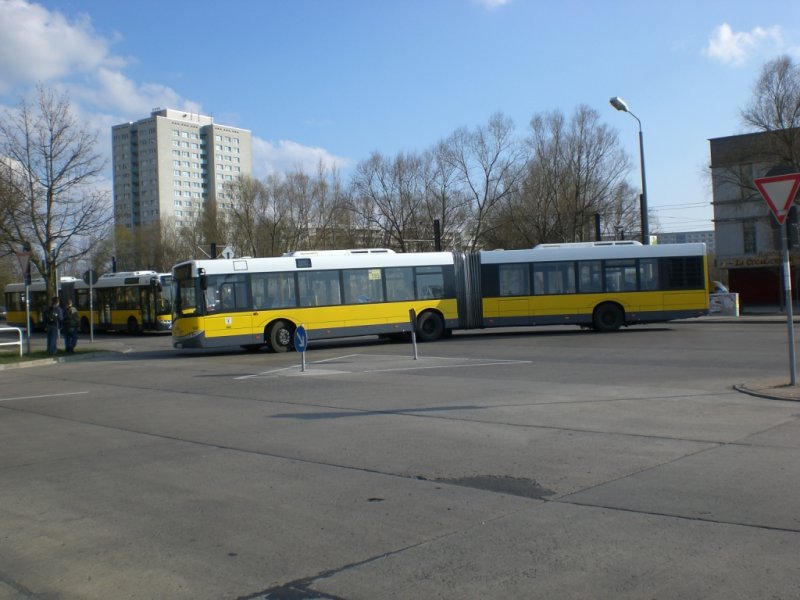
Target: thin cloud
<point>492,4</point>
<point>285,156</point>
<point>42,46</point>
<point>736,47</point>
<point>39,45</point>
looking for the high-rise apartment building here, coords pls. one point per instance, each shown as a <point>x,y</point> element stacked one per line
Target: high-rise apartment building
<point>173,165</point>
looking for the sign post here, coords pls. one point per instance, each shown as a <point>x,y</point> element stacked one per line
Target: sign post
<point>779,192</point>
<point>300,344</point>
<point>412,317</point>
<point>24,259</point>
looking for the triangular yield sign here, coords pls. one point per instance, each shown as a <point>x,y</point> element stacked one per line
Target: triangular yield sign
<point>779,192</point>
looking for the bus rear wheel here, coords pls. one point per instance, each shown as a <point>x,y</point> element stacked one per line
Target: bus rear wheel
<point>430,327</point>
<point>84,325</point>
<point>608,317</point>
<point>280,336</point>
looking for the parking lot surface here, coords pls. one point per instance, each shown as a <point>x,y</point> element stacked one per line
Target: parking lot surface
<point>548,463</point>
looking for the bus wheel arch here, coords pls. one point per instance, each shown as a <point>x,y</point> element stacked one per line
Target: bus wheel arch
<point>280,335</point>
<point>430,326</point>
<point>84,325</point>
<point>608,316</point>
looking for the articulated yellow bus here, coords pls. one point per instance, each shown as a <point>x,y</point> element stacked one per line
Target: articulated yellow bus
<point>134,301</point>
<point>255,302</point>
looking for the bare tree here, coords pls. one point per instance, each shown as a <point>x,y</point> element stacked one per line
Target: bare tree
<point>774,108</point>
<point>445,200</point>
<point>489,163</point>
<point>49,171</point>
<point>576,170</point>
<point>389,196</point>
<point>248,215</point>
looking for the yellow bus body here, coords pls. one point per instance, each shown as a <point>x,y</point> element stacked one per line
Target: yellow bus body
<point>601,285</point>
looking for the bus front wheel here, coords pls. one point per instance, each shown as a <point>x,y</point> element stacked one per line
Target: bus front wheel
<point>608,317</point>
<point>280,336</point>
<point>430,327</point>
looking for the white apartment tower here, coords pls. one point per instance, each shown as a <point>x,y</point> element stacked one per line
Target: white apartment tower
<point>173,165</point>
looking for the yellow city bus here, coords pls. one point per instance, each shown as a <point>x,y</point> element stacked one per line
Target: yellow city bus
<point>133,301</point>
<point>14,295</point>
<point>255,302</point>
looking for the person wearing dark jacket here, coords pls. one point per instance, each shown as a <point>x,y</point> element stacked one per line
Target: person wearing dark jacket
<point>53,317</point>
<point>72,321</point>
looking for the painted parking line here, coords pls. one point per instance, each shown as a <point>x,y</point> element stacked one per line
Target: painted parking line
<point>370,363</point>
<point>451,366</point>
<point>43,396</point>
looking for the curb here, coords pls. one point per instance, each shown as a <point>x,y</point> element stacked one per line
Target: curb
<point>58,360</point>
<point>782,392</point>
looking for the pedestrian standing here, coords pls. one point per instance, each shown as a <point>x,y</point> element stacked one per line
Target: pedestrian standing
<point>53,316</point>
<point>72,321</point>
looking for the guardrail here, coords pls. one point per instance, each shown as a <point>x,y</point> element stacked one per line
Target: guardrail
<point>17,343</point>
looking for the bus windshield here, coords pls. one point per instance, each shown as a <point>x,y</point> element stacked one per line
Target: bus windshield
<point>165,295</point>
<point>184,297</point>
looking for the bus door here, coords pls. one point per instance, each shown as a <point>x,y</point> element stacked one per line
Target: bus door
<point>67,291</point>
<point>105,305</point>
<point>228,310</point>
<point>147,302</point>
<point>554,291</point>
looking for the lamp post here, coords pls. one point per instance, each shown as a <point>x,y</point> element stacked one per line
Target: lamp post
<point>619,104</point>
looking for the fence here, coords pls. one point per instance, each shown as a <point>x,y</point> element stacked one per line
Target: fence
<point>17,343</point>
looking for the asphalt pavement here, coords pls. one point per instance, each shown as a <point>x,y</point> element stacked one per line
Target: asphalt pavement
<point>777,388</point>
<point>546,463</point>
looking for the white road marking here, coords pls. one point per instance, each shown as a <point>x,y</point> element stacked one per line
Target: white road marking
<point>43,396</point>
<point>412,366</point>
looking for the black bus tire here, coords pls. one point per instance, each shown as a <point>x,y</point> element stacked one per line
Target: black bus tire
<point>280,336</point>
<point>608,317</point>
<point>430,326</point>
<point>84,325</point>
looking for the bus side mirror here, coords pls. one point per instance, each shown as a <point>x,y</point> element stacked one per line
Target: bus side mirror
<point>203,279</point>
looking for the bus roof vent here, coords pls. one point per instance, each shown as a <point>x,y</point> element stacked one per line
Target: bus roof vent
<point>339,252</point>
<point>128,274</point>
<point>590,244</point>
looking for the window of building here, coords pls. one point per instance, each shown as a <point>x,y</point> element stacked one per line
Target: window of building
<point>749,237</point>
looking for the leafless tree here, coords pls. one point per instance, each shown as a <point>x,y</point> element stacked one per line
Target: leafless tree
<point>49,169</point>
<point>576,169</point>
<point>774,108</point>
<point>389,196</point>
<point>445,200</point>
<point>488,161</point>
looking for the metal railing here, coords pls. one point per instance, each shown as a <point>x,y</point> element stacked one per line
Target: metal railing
<point>17,343</point>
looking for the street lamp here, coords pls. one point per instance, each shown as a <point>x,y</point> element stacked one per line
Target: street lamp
<point>619,104</point>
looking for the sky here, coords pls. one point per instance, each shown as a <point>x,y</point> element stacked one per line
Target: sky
<point>335,80</point>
